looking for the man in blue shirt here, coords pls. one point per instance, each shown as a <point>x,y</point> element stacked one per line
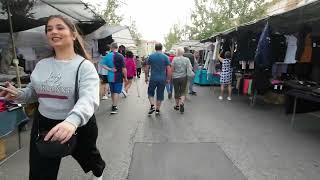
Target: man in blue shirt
<point>115,61</point>
<point>160,75</point>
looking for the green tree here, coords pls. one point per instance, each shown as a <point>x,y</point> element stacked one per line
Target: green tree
<point>174,36</point>
<point>135,33</point>
<point>212,16</point>
<point>110,13</point>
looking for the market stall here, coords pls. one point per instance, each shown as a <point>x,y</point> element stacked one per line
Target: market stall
<point>276,55</point>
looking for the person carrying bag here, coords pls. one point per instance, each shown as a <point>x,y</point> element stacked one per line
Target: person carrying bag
<point>64,123</point>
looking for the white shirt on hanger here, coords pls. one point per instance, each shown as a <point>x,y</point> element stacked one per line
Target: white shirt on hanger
<point>291,49</point>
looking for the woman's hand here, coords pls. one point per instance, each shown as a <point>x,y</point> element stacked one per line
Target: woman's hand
<point>61,132</point>
<point>11,93</point>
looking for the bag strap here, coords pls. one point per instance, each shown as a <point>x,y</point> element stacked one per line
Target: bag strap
<point>76,92</point>
<point>76,89</point>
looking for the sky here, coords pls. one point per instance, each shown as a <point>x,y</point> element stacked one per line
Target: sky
<point>154,18</point>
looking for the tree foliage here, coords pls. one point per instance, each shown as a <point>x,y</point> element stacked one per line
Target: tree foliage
<point>174,36</point>
<point>109,13</point>
<point>135,33</point>
<point>18,7</point>
<point>212,16</point>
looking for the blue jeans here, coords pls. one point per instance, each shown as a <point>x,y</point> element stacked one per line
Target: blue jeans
<point>169,87</point>
<point>158,86</point>
<point>191,82</point>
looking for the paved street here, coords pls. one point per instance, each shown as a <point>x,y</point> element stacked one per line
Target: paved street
<point>258,141</point>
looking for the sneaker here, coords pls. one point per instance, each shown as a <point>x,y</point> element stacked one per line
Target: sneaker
<point>181,108</point>
<point>96,178</point>
<point>114,110</point>
<point>105,97</point>
<point>157,112</point>
<point>151,110</point>
<point>229,98</point>
<point>220,98</point>
<point>176,108</point>
<point>124,93</point>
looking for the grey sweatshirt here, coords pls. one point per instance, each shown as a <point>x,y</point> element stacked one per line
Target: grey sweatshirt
<point>53,84</point>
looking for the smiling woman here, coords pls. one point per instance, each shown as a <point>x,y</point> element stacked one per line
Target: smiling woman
<point>65,108</point>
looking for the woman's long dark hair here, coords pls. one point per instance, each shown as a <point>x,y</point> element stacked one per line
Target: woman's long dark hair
<point>78,43</point>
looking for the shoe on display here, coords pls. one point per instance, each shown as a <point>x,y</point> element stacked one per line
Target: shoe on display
<point>220,98</point>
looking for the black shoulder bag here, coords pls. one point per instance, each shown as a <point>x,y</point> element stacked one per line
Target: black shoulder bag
<point>54,149</point>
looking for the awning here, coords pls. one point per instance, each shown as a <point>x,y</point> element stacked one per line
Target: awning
<point>192,44</point>
<point>286,23</point>
<point>105,31</point>
<point>28,14</point>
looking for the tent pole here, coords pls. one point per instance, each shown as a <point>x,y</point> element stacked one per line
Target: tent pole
<point>15,60</point>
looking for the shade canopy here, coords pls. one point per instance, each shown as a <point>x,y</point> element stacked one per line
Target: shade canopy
<point>28,14</point>
<point>286,23</point>
<point>105,31</point>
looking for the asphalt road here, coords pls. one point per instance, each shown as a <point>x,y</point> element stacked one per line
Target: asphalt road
<point>258,141</point>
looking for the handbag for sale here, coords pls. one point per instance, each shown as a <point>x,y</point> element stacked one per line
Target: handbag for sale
<point>54,149</point>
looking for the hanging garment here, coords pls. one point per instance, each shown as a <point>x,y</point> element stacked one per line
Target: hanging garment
<point>212,63</point>
<point>279,69</point>
<point>303,32</point>
<point>251,64</point>
<point>307,52</point>
<point>278,48</point>
<point>291,49</point>
<point>250,87</point>
<point>316,50</point>
<point>217,49</point>
<point>252,46</point>
<point>246,84</point>
<point>262,57</point>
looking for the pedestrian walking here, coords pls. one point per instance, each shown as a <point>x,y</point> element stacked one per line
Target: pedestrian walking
<point>115,61</point>
<point>103,74</point>
<point>131,70</point>
<point>180,65</point>
<point>226,75</point>
<point>160,75</point>
<point>60,113</point>
<point>169,86</point>
<point>139,66</point>
<point>189,55</point>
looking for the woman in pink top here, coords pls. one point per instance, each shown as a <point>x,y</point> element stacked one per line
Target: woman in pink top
<point>131,70</point>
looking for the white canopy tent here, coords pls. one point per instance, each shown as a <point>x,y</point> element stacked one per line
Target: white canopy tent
<point>120,34</point>
<point>192,44</point>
